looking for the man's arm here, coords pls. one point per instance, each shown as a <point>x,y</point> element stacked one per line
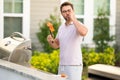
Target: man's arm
<point>54,43</point>
<point>80,27</point>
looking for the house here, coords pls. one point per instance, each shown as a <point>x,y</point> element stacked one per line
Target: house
<point>25,15</point>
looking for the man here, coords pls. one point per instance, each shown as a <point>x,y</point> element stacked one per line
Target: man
<point>68,39</point>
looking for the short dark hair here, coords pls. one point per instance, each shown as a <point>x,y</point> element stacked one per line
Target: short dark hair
<point>66,4</point>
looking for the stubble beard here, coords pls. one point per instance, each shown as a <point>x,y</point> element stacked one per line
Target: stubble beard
<point>67,18</point>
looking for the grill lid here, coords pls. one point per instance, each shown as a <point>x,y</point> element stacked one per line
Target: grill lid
<point>16,48</point>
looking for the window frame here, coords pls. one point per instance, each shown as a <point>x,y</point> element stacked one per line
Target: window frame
<point>25,16</point>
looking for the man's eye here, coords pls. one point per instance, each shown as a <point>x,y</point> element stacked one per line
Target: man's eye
<point>64,11</point>
<point>69,10</point>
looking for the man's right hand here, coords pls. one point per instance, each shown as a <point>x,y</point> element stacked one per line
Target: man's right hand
<point>53,42</point>
<point>50,38</point>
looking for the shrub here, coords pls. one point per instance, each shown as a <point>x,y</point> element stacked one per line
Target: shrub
<point>49,61</point>
<point>44,31</point>
<point>46,62</point>
<point>92,57</point>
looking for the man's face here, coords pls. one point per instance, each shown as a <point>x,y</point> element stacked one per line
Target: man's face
<point>66,11</point>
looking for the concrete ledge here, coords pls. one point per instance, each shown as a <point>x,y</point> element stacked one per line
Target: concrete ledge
<point>11,71</point>
<point>107,71</point>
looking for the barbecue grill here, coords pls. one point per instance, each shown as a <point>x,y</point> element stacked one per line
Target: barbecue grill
<point>16,48</point>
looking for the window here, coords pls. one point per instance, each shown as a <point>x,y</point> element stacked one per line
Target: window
<point>14,16</point>
<point>78,6</point>
<point>13,6</point>
<point>79,9</point>
<point>12,23</point>
<point>106,24</point>
<point>101,9</point>
<point>102,4</point>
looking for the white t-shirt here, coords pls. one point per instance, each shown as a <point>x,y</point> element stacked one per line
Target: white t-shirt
<point>70,45</point>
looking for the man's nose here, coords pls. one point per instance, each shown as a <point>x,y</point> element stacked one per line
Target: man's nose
<point>67,12</point>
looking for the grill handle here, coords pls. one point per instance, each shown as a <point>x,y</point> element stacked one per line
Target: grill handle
<point>13,36</point>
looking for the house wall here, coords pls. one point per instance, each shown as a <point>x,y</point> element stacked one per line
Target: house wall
<point>118,23</point>
<point>40,10</point>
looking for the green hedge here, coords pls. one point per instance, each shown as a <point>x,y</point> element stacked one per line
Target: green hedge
<point>108,57</point>
<point>46,62</point>
<point>49,62</point>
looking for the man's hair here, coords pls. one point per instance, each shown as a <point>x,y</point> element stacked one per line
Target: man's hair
<point>66,4</point>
